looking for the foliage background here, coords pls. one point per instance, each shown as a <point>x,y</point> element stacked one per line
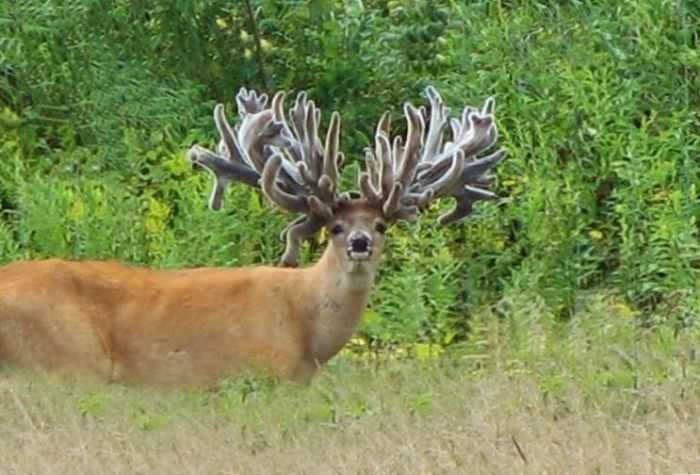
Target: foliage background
<point>597,107</point>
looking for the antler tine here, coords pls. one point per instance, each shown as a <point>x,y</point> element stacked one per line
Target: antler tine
<point>475,133</point>
<point>414,142</point>
<point>229,143</point>
<point>439,116</point>
<point>465,203</point>
<point>392,169</point>
<point>229,165</point>
<point>256,132</point>
<point>330,153</point>
<point>404,179</point>
<point>455,171</point>
<point>302,115</point>
<point>250,102</point>
<point>315,150</point>
<point>224,172</point>
<point>318,164</point>
<point>272,189</point>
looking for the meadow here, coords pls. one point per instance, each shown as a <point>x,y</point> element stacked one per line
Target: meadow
<point>604,397</point>
<point>555,331</point>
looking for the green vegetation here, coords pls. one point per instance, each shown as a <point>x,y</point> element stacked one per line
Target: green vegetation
<point>597,104</point>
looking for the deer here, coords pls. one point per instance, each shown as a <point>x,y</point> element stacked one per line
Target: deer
<point>176,327</point>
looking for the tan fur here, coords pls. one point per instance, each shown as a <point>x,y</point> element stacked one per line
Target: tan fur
<point>185,327</point>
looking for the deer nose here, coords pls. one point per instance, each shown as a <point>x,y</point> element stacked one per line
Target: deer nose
<point>359,242</point>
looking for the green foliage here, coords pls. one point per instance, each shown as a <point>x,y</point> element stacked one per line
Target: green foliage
<point>597,107</point>
<point>600,349</point>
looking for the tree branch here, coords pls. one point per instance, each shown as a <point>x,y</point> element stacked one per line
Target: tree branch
<point>258,44</point>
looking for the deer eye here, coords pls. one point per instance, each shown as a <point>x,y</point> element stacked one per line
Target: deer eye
<point>380,227</point>
<point>336,229</point>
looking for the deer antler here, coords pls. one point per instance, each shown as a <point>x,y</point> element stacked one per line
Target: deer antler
<point>404,179</point>
<point>295,170</point>
<point>299,172</point>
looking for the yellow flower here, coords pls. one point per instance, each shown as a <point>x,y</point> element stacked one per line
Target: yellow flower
<point>77,210</point>
<point>596,235</point>
<point>425,351</point>
<point>623,310</point>
<point>156,217</point>
<point>358,341</point>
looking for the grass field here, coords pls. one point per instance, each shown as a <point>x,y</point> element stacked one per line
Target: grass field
<point>602,397</point>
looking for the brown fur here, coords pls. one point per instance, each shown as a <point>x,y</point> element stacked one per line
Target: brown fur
<point>185,327</point>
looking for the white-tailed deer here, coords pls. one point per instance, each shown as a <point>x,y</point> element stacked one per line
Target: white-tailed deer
<point>196,326</point>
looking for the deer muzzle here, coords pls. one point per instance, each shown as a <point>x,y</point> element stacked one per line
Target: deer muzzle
<point>359,246</point>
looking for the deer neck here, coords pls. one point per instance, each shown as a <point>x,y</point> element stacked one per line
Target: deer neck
<point>341,298</point>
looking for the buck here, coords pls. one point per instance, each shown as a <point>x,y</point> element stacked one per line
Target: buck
<point>196,326</point>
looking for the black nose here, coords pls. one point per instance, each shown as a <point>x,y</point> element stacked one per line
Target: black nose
<point>359,244</point>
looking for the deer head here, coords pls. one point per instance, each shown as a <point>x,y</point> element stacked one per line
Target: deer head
<point>296,170</point>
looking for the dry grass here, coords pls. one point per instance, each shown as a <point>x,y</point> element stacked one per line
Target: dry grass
<point>404,417</point>
<point>525,395</point>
